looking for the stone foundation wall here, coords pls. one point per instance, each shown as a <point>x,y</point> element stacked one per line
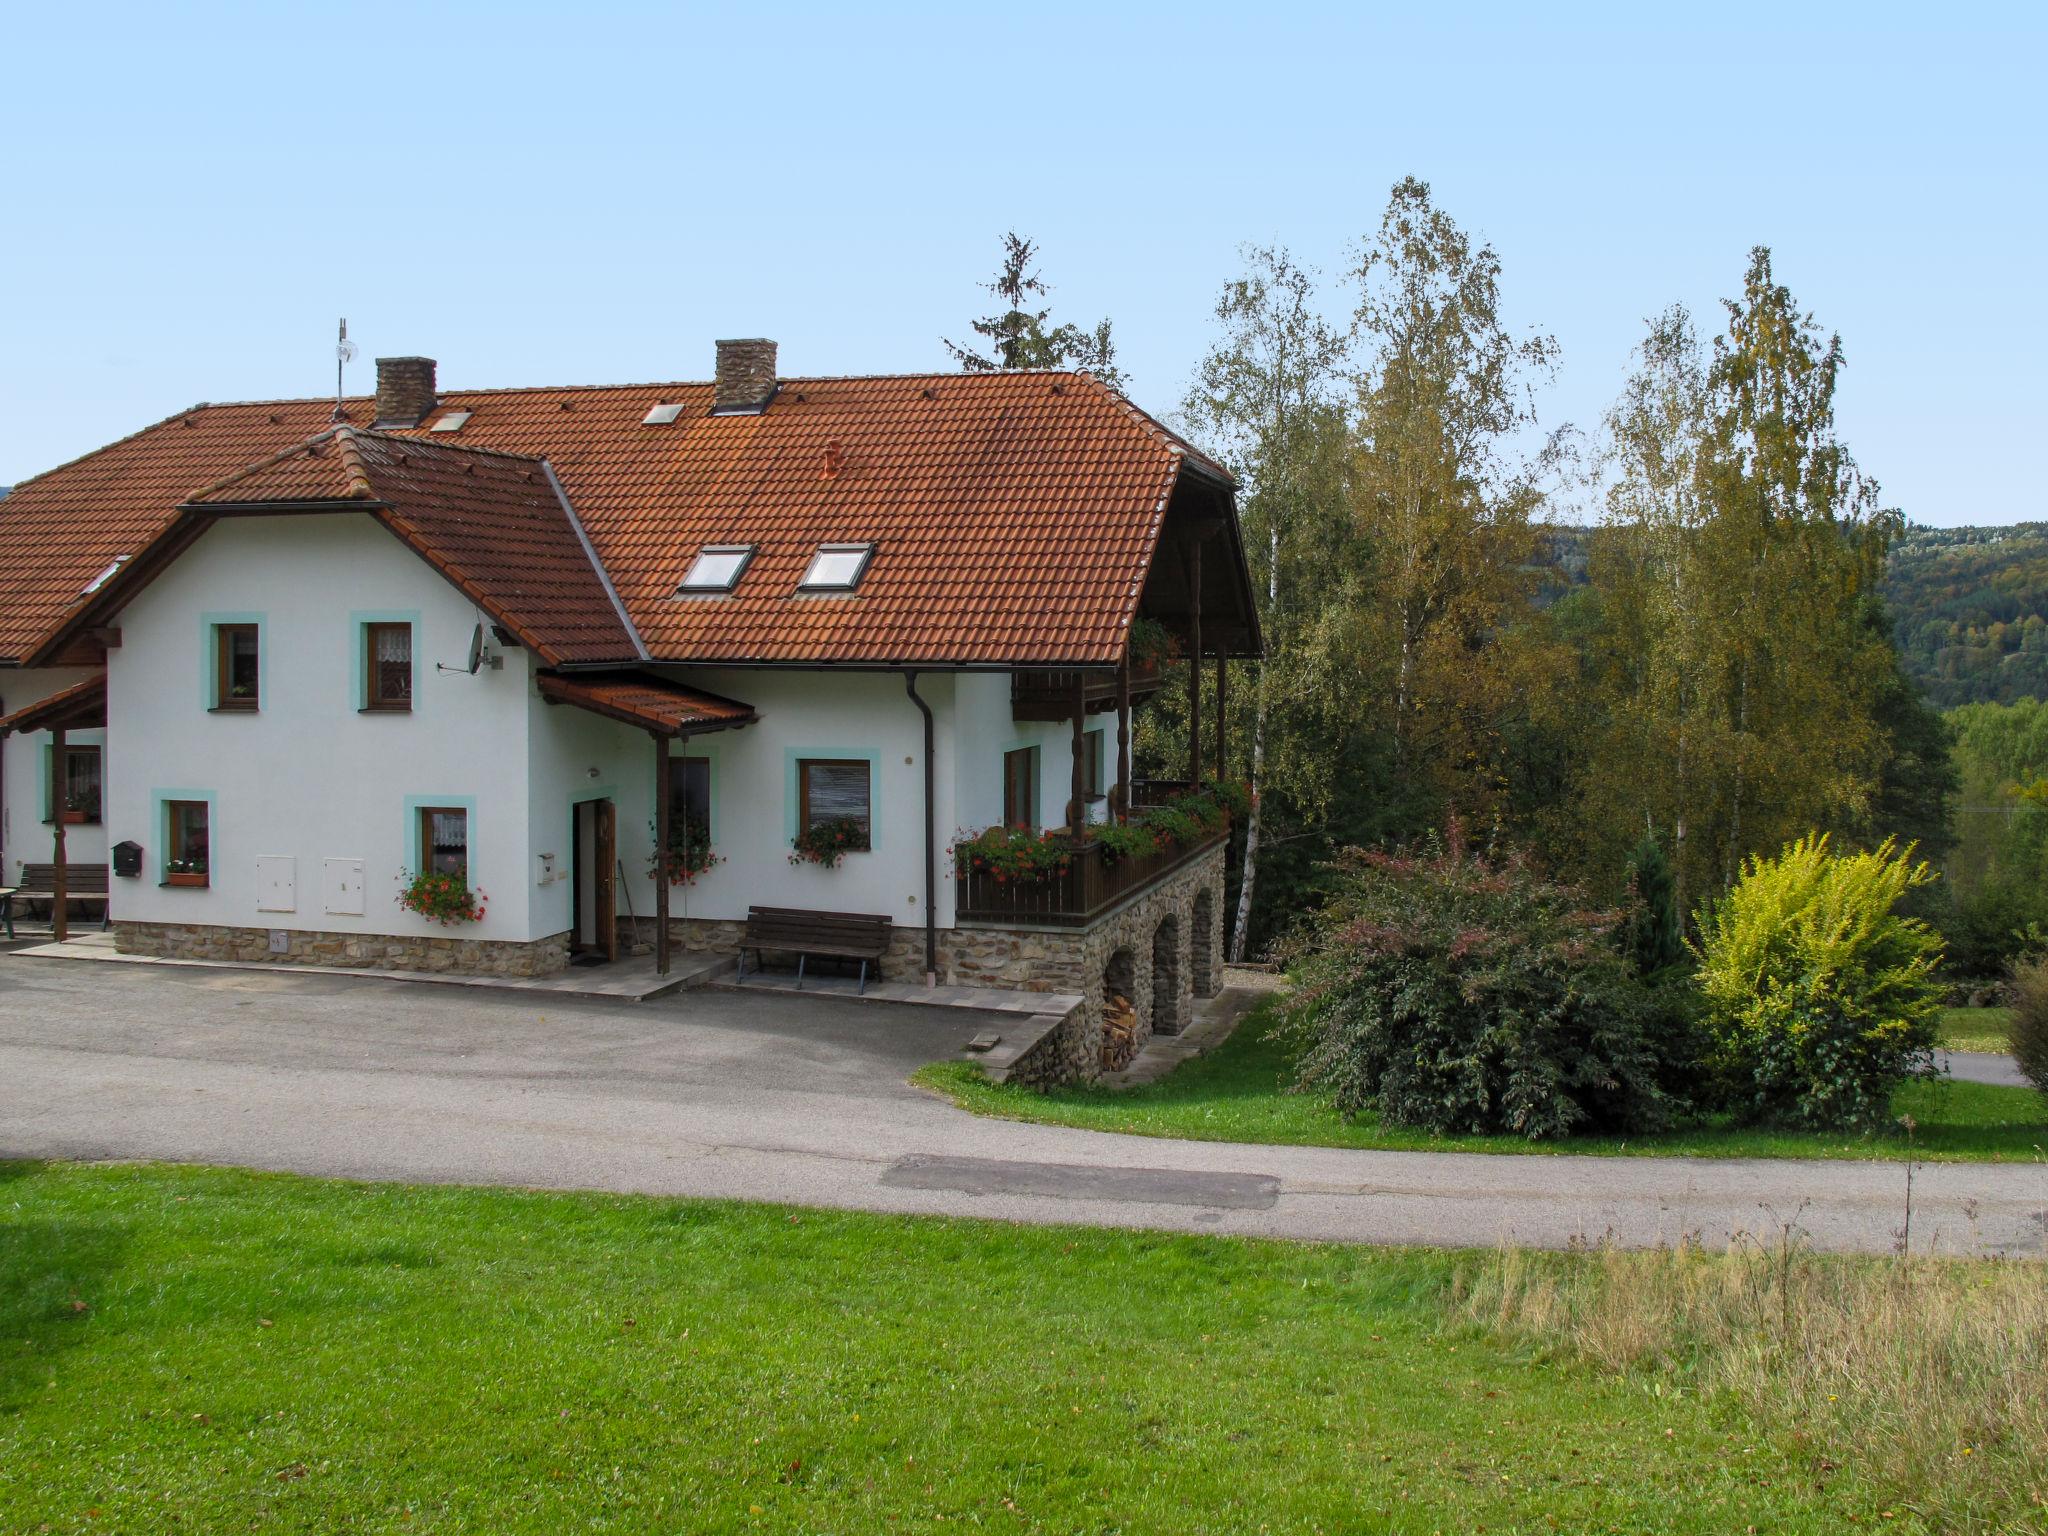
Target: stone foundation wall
<point>367,951</point>
<point>1065,960</point>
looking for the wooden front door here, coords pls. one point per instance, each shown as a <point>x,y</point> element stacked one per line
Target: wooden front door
<point>606,862</point>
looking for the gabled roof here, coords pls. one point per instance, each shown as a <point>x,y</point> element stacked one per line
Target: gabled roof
<point>494,524</point>
<point>1014,516</point>
<point>653,703</point>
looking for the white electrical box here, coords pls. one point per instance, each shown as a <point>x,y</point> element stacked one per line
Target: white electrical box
<point>545,871</point>
<point>277,883</point>
<point>341,887</point>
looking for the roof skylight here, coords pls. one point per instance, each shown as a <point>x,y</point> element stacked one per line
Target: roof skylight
<point>661,415</point>
<point>717,568</point>
<point>452,421</point>
<point>104,576</point>
<point>836,568</point>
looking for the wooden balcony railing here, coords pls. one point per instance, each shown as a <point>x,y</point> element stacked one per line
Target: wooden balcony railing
<point>1072,900</point>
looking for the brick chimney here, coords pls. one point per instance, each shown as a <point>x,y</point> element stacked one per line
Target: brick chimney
<point>746,377</point>
<point>405,390</point>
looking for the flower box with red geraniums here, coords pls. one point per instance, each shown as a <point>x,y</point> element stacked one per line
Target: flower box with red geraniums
<point>689,852</point>
<point>441,897</point>
<point>825,843</point>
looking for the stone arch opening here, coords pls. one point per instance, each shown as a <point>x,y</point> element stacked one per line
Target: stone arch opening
<point>1166,978</point>
<point>1205,946</point>
<point>1122,1027</point>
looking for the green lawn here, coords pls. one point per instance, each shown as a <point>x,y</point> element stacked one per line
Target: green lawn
<point>1234,1094</point>
<point>1977,1029</point>
<point>187,1350</point>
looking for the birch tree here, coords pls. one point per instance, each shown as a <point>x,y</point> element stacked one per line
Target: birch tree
<point>1265,396</point>
<point>1439,493</point>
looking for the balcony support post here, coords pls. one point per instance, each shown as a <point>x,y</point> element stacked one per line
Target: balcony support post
<point>1195,660</point>
<point>1222,707</point>
<point>1123,738</point>
<point>1077,811</point>
<point>661,832</point>
<point>60,871</point>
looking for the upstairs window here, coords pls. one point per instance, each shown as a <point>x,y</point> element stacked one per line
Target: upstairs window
<point>388,667</point>
<point>1092,765</point>
<point>836,568</point>
<point>444,841</point>
<point>187,844</point>
<point>833,790</point>
<point>1020,788</point>
<point>237,667</point>
<point>717,568</point>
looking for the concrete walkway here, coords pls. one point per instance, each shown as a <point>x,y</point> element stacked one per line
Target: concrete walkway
<point>766,1096</point>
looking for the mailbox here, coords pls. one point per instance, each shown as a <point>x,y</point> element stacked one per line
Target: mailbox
<point>127,859</point>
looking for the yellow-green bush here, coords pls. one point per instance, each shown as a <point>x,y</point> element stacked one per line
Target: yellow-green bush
<point>1821,997</point>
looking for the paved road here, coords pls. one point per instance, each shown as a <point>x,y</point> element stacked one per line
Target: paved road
<point>771,1097</point>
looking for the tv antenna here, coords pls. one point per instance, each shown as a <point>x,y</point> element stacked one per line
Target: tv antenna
<point>344,354</point>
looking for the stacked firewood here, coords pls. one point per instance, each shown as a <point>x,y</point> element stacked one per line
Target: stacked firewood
<point>1119,1033</point>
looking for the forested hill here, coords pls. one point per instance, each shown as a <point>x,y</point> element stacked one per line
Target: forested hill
<point>1971,606</point>
<point>1972,611</point>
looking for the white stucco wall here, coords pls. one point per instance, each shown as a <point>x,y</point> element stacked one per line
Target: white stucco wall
<point>311,777</point>
<point>308,775</point>
<point>24,835</point>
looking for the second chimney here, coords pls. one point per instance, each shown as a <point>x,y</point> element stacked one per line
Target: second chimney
<point>746,377</point>
<point>405,390</point>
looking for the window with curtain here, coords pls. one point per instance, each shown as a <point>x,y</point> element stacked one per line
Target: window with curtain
<point>238,672</point>
<point>832,789</point>
<point>188,858</point>
<point>444,841</point>
<point>390,666</point>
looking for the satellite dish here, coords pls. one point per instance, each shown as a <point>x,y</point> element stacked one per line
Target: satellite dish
<point>476,655</point>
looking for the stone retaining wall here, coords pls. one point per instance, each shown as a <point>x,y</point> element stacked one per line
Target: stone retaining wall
<point>366,951</point>
<point>1065,960</point>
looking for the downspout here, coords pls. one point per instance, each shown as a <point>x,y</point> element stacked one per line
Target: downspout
<point>931,907</point>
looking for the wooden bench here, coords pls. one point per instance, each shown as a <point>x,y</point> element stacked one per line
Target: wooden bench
<point>843,935</point>
<point>82,882</point>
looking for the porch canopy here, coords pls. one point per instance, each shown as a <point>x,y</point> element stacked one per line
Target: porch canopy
<point>81,707</point>
<point>651,703</point>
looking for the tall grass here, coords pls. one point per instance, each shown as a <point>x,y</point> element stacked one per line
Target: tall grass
<point>1928,1375</point>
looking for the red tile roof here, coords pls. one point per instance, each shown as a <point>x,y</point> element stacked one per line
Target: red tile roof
<point>490,522</point>
<point>639,698</point>
<point>1014,515</point>
<point>81,706</point>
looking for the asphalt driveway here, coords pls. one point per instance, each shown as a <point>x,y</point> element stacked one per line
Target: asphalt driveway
<point>770,1096</point>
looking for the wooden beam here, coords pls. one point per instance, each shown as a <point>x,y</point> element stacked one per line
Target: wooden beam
<point>1077,810</point>
<point>1222,707</point>
<point>1122,804</point>
<point>60,877</point>
<point>661,816</point>
<point>1194,661</point>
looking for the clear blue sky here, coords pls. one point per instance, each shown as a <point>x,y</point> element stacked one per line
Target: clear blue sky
<point>592,193</point>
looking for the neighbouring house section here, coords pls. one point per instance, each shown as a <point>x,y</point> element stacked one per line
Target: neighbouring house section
<point>507,681</point>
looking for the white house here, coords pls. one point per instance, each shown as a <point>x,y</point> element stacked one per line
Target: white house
<point>263,665</point>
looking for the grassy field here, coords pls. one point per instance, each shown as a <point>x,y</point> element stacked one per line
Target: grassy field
<point>1234,1094</point>
<point>198,1351</point>
<point>1977,1029</point>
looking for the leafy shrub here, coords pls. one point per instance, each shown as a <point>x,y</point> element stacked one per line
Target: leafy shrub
<point>1821,998</point>
<point>1460,996</point>
<point>2030,1020</point>
<point>1152,643</point>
